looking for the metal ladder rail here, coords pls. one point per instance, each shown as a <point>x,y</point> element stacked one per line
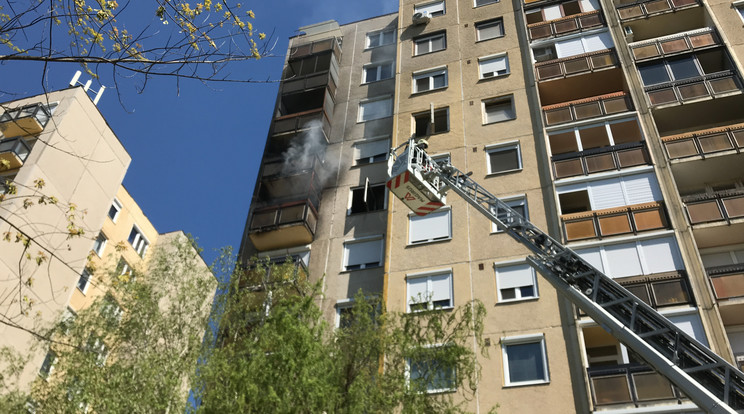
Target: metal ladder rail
<point>717,386</point>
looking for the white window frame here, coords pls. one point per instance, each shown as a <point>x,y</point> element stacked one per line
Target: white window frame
<point>490,59</point>
<point>489,23</point>
<point>429,290</point>
<point>428,40</point>
<point>101,244</point>
<point>427,114</point>
<point>502,99</point>
<point>367,186</point>
<point>85,275</point>
<point>644,262</point>
<point>739,7</point>
<point>505,146</point>
<point>381,34</point>
<point>589,185</point>
<point>519,340</point>
<point>432,390</point>
<point>435,8</point>
<point>513,201</point>
<point>342,305</point>
<point>375,157</point>
<point>116,205</point>
<point>140,242</point>
<point>388,109</point>
<point>484,3</point>
<point>518,297</point>
<point>348,243</point>
<point>413,217</point>
<point>430,74</point>
<point>607,124</point>
<point>378,67</point>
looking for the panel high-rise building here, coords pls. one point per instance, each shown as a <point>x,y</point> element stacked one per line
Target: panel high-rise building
<point>615,126</point>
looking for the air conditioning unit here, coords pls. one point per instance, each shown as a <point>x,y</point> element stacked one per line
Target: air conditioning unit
<point>421,17</point>
<point>628,33</point>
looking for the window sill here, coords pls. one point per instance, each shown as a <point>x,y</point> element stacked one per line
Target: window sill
<point>365,212</point>
<point>508,301</point>
<point>442,309</point>
<point>359,270</point>
<point>527,383</point>
<point>490,38</point>
<point>427,242</point>
<point>493,174</point>
<point>377,47</point>
<point>429,53</point>
<point>428,91</point>
<point>498,122</point>
<point>368,163</point>
<point>376,119</point>
<point>375,81</point>
<point>506,75</point>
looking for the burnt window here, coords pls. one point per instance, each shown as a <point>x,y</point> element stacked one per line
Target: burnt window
<point>369,198</point>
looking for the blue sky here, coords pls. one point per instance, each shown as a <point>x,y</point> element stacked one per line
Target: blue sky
<point>196,149</point>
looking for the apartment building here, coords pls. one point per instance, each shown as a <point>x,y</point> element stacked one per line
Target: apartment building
<point>615,126</point>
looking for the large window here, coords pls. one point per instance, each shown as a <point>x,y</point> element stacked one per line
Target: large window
<point>48,365</point>
<point>490,29</point>
<point>640,257</point>
<point>524,360</point>
<point>84,281</point>
<point>375,109</point>
<point>378,71</point>
<point>363,253</point>
<point>609,193</point>
<point>429,80</point>
<point>484,2</point>
<point>584,44</point>
<point>556,11</point>
<point>380,38</point>
<point>498,110</point>
<point>518,204</point>
<point>114,210</point>
<point>503,158</point>
<point>429,291</point>
<point>368,152</point>
<point>515,282</point>
<point>492,66</point>
<point>138,241</point>
<point>430,374</point>
<point>432,227</point>
<point>429,43</point>
<point>684,67</point>
<point>739,5</point>
<point>595,136</point>
<point>99,244</point>
<point>434,9</point>
<point>369,198</point>
<point>422,122</point>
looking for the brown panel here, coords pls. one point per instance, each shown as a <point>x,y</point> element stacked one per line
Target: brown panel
<point>539,32</point>
<point>713,143</point>
<point>558,116</point>
<point>592,20</point>
<point>701,40</point>
<point>695,90</point>
<point>657,6</point>
<point>739,137</point>
<point>566,26</point>
<point>587,110</point>
<point>729,286</point>
<point>630,12</point>
<point>649,219</point>
<point>263,219</point>
<point>646,51</point>
<point>563,143</point>
<point>568,168</point>
<point>292,214</point>
<point>672,292</point>
<point>576,66</point>
<point>704,212</point>
<point>674,45</point>
<point>723,85</point>
<point>616,105</point>
<point>616,224</point>
<point>580,229</point>
<point>611,390</point>
<point>734,206</point>
<point>549,71</point>
<point>626,131</point>
<point>632,157</point>
<point>682,3</point>
<point>681,148</point>
<point>602,162</point>
<point>604,60</point>
<point>662,96</point>
<point>652,386</point>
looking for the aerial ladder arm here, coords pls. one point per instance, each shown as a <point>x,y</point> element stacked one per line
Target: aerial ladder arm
<point>707,379</point>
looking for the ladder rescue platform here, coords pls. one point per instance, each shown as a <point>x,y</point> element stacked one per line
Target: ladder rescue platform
<point>410,173</point>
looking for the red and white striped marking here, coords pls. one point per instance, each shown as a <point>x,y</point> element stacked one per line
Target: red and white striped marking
<point>406,177</point>
<point>428,208</point>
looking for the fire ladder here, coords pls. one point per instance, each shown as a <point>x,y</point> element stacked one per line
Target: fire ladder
<point>707,379</point>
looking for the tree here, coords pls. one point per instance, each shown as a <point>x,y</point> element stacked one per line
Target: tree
<point>276,354</point>
<point>134,350</point>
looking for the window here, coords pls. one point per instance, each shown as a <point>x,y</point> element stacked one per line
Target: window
<point>519,204</point>
<point>95,345</point>
<point>524,360</point>
<point>99,244</point>
<point>378,71</point>
<point>375,109</point>
<point>428,81</point>
<point>310,64</point>
<point>515,282</point>
<point>434,9</point>
<point>595,136</point>
<point>684,67</point>
<point>428,292</point>
<point>369,152</point>
<point>556,11</point>
<point>366,199</point>
<point>84,281</point>
<point>489,29</point>
<point>48,365</point>
<point>609,193</point>
<point>67,320</point>
<point>428,44</point>
<point>490,67</point>
<point>584,44</point>
<point>498,110</point>
<point>641,257</point>
<point>432,227</point>
<point>441,159</point>
<point>363,254</point>
<point>430,374</point>
<point>114,210</point>
<point>504,158</point>
<point>422,120</point>
<point>138,241</point>
<point>110,309</point>
<point>739,5</point>
<point>346,317</point>
<point>344,313</point>
<point>124,270</point>
<point>380,38</point>
<point>484,2</point>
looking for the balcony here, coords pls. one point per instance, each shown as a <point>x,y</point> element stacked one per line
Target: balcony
<point>305,101</point>
<point>715,207</point>
<point>705,142</point>
<point>597,160</point>
<point>630,385</point>
<point>282,226</point>
<point>579,78</point>
<point>320,46</point>
<point>575,65</point>
<point>310,82</point>
<point>640,9</point>
<point>13,153</point>
<point>283,167</point>
<point>302,122</point>
<point>565,25</point>
<point>674,44</point>
<point>595,107</point>
<point>727,280</point>
<point>24,121</point>
<point>614,221</point>
<point>696,88</point>
<point>272,271</point>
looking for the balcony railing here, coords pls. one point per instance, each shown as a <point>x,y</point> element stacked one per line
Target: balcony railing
<point>629,384</point>
<point>727,281</point>
<point>316,47</point>
<point>285,167</point>
<point>310,82</point>
<point>574,65</point>
<point>587,108</point>
<point>705,142</point>
<point>565,25</point>
<point>305,120</point>
<point>23,121</point>
<point>282,226</point>
<point>674,44</point>
<point>614,221</point>
<point>651,7</point>
<point>711,207</point>
<point>13,153</point>
<point>259,276</point>
<point>596,160</point>
<point>700,87</point>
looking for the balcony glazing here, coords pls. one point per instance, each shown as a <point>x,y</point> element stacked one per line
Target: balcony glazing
<point>13,153</point>
<point>24,121</point>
